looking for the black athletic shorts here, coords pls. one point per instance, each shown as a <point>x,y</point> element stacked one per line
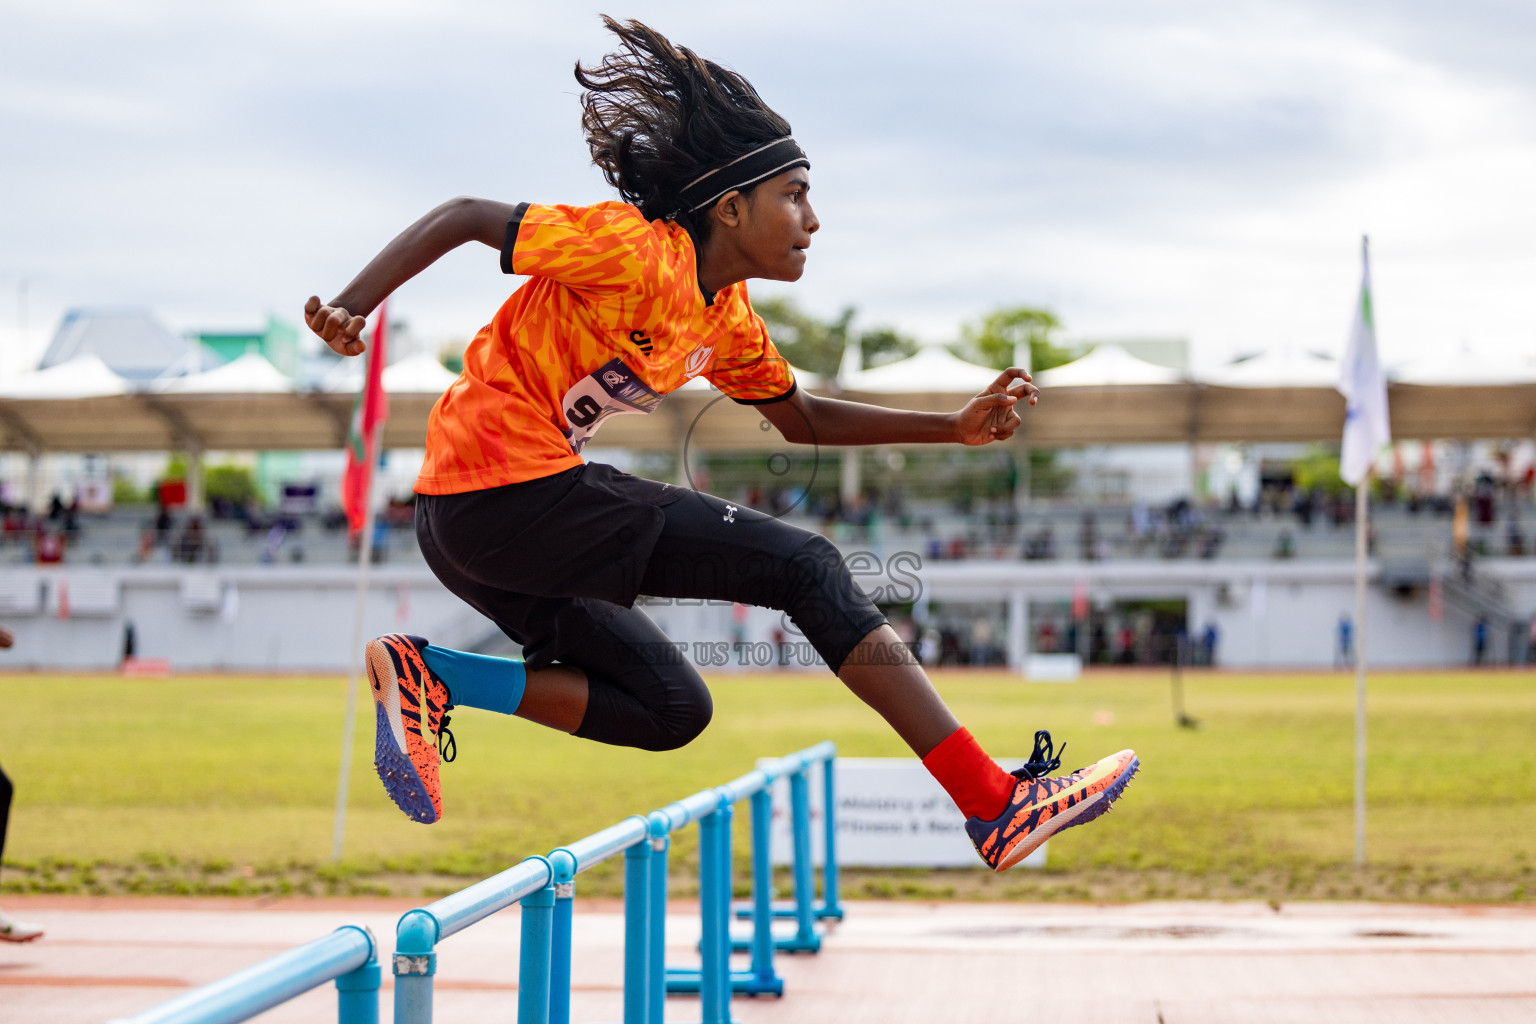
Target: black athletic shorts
<point>557,564</point>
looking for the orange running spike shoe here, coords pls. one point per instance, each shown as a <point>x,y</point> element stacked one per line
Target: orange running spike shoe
<point>406,760</point>
<point>1041,807</point>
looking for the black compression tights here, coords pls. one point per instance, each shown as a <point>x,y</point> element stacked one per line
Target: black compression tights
<point>642,692</point>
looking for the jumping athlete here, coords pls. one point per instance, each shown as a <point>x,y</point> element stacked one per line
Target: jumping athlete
<point>625,302</point>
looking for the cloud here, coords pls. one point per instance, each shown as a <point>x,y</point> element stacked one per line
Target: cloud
<point>1194,169</point>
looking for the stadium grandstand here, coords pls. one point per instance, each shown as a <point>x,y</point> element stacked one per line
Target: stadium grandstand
<point>1205,523</point>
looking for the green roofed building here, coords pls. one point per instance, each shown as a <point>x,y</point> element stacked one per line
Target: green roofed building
<point>278,342</point>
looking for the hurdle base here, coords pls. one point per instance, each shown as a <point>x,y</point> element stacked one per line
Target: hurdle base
<point>790,944</point>
<point>685,981</point>
<point>789,910</point>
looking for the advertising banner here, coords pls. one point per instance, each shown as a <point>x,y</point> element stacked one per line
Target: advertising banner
<point>890,813</point>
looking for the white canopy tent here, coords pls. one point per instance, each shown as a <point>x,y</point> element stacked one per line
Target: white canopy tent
<point>1286,368</point>
<point>84,376</point>
<point>1107,366</point>
<point>933,370</point>
<point>250,374</point>
<point>83,406</point>
<point>1467,367</point>
<point>420,374</point>
<point>803,378</point>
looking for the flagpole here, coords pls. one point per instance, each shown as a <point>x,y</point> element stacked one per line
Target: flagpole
<point>1362,510</point>
<point>368,417</point>
<point>1367,426</point>
<point>355,654</point>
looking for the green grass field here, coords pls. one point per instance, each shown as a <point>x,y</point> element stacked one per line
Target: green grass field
<point>226,785</point>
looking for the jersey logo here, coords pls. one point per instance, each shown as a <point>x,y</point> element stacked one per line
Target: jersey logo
<point>641,340</point>
<point>613,378</point>
<point>697,360</point>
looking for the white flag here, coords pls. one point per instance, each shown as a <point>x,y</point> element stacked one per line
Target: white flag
<point>1364,387</point>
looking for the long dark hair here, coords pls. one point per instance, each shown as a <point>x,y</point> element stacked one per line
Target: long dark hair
<point>656,116</point>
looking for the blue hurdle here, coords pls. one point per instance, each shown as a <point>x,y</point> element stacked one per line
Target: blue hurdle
<point>546,888</point>
<point>804,909</point>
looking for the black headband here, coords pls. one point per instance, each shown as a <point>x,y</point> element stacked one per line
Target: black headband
<point>742,173</point>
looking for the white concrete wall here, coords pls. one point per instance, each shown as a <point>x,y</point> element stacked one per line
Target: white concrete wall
<point>264,618</point>
<point>293,618</point>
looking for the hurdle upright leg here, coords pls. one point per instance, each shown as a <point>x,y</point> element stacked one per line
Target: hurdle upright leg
<point>533,972</point>
<point>661,843</point>
<point>830,882</point>
<point>357,992</point>
<point>415,963</point>
<point>714,912</point>
<point>637,932</point>
<point>805,939</point>
<point>762,978</point>
<point>560,954</point>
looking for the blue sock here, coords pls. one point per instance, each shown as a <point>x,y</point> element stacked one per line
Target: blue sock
<point>478,680</point>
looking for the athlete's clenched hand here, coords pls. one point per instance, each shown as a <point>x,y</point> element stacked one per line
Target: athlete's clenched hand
<point>336,327</point>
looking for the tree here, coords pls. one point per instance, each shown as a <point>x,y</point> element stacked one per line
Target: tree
<point>1318,469</point>
<point>231,483</point>
<point>881,345</point>
<point>994,340</point>
<point>817,345</point>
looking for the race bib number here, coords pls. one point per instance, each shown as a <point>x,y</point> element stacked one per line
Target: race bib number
<point>613,389</point>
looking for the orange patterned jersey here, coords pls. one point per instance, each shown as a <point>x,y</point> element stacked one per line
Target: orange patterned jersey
<point>611,319</point>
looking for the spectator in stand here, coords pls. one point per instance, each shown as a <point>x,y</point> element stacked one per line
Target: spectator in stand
<point>192,545</point>
<point>1514,538</point>
<point>273,543</point>
<point>71,520</point>
<point>1210,542</point>
<point>1045,639</point>
<point>1088,538</point>
<point>1212,635</point>
<point>163,524</point>
<point>1480,641</point>
<point>929,646</point>
<point>951,652</point>
<point>1303,507</point>
<point>48,546</point>
<point>1140,527</point>
<point>1285,545</point>
<point>15,523</point>
<point>146,551</point>
<point>1483,500</point>
<point>1041,546</point>
<point>984,650</point>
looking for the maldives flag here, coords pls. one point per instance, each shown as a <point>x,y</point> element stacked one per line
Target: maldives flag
<point>1367,426</point>
<point>368,414</point>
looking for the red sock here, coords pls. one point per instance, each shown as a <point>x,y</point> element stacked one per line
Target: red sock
<point>971,778</point>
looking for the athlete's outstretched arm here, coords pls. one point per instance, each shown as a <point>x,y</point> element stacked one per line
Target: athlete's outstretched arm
<point>465,219</point>
<point>806,419</point>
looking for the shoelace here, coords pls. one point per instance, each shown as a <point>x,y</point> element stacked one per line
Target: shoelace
<point>1043,759</point>
<point>447,748</point>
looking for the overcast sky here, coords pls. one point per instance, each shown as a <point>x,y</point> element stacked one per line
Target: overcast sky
<point>1175,169</point>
